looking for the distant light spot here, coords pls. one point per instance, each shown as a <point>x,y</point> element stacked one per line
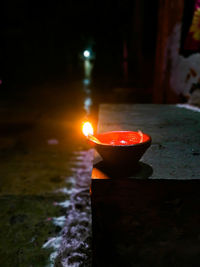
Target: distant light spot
<point>86,53</point>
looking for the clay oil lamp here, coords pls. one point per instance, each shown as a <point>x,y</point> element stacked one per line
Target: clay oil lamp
<point>118,149</point>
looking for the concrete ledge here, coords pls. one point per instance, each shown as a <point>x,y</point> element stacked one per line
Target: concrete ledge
<point>145,223</point>
<point>151,217</point>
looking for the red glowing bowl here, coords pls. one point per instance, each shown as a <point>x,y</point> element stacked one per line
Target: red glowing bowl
<point>121,148</point>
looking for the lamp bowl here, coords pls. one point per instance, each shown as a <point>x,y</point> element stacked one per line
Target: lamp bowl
<point>121,149</point>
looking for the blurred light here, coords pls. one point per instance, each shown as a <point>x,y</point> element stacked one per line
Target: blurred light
<point>86,53</point>
<point>86,81</point>
<point>87,104</point>
<point>87,129</point>
<point>52,142</point>
<point>88,66</point>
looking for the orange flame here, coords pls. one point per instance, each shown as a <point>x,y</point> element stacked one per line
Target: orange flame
<point>87,128</point>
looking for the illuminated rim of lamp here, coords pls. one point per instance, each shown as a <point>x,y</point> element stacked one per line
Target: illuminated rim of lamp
<point>132,145</point>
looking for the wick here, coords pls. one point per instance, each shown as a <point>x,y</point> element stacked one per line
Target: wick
<point>141,136</point>
<point>94,139</point>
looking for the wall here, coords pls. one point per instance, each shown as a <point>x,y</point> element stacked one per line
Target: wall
<point>169,14</point>
<point>174,74</point>
<point>184,70</point>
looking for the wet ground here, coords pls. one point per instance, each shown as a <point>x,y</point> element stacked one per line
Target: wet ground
<point>45,167</point>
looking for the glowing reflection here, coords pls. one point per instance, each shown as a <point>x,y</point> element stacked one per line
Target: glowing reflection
<point>88,66</point>
<point>87,104</point>
<point>86,82</point>
<point>98,174</point>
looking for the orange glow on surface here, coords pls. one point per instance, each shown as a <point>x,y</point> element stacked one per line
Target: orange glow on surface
<point>87,128</point>
<point>98,174</point>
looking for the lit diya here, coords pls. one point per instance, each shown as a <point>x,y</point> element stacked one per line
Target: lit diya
<point>118,148</point>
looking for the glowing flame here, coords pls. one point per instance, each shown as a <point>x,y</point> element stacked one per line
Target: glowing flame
<point>87,129</point>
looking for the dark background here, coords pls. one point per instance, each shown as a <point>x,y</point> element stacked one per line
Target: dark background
<point>44,39</point>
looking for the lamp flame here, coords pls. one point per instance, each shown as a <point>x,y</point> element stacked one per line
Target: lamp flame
<point>87,129</point>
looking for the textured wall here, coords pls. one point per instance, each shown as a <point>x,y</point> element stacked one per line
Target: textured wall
<point>184,70</point>
<point>169,14</point>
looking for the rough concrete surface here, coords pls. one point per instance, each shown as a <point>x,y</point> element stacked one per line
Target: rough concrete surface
<point>175,132</point>
<point>141,223</point>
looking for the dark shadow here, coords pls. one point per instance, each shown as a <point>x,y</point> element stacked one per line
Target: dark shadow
<point>186,23</point>
<point>10,129</point>
<point>139,171</point>
<point>135,220</point>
